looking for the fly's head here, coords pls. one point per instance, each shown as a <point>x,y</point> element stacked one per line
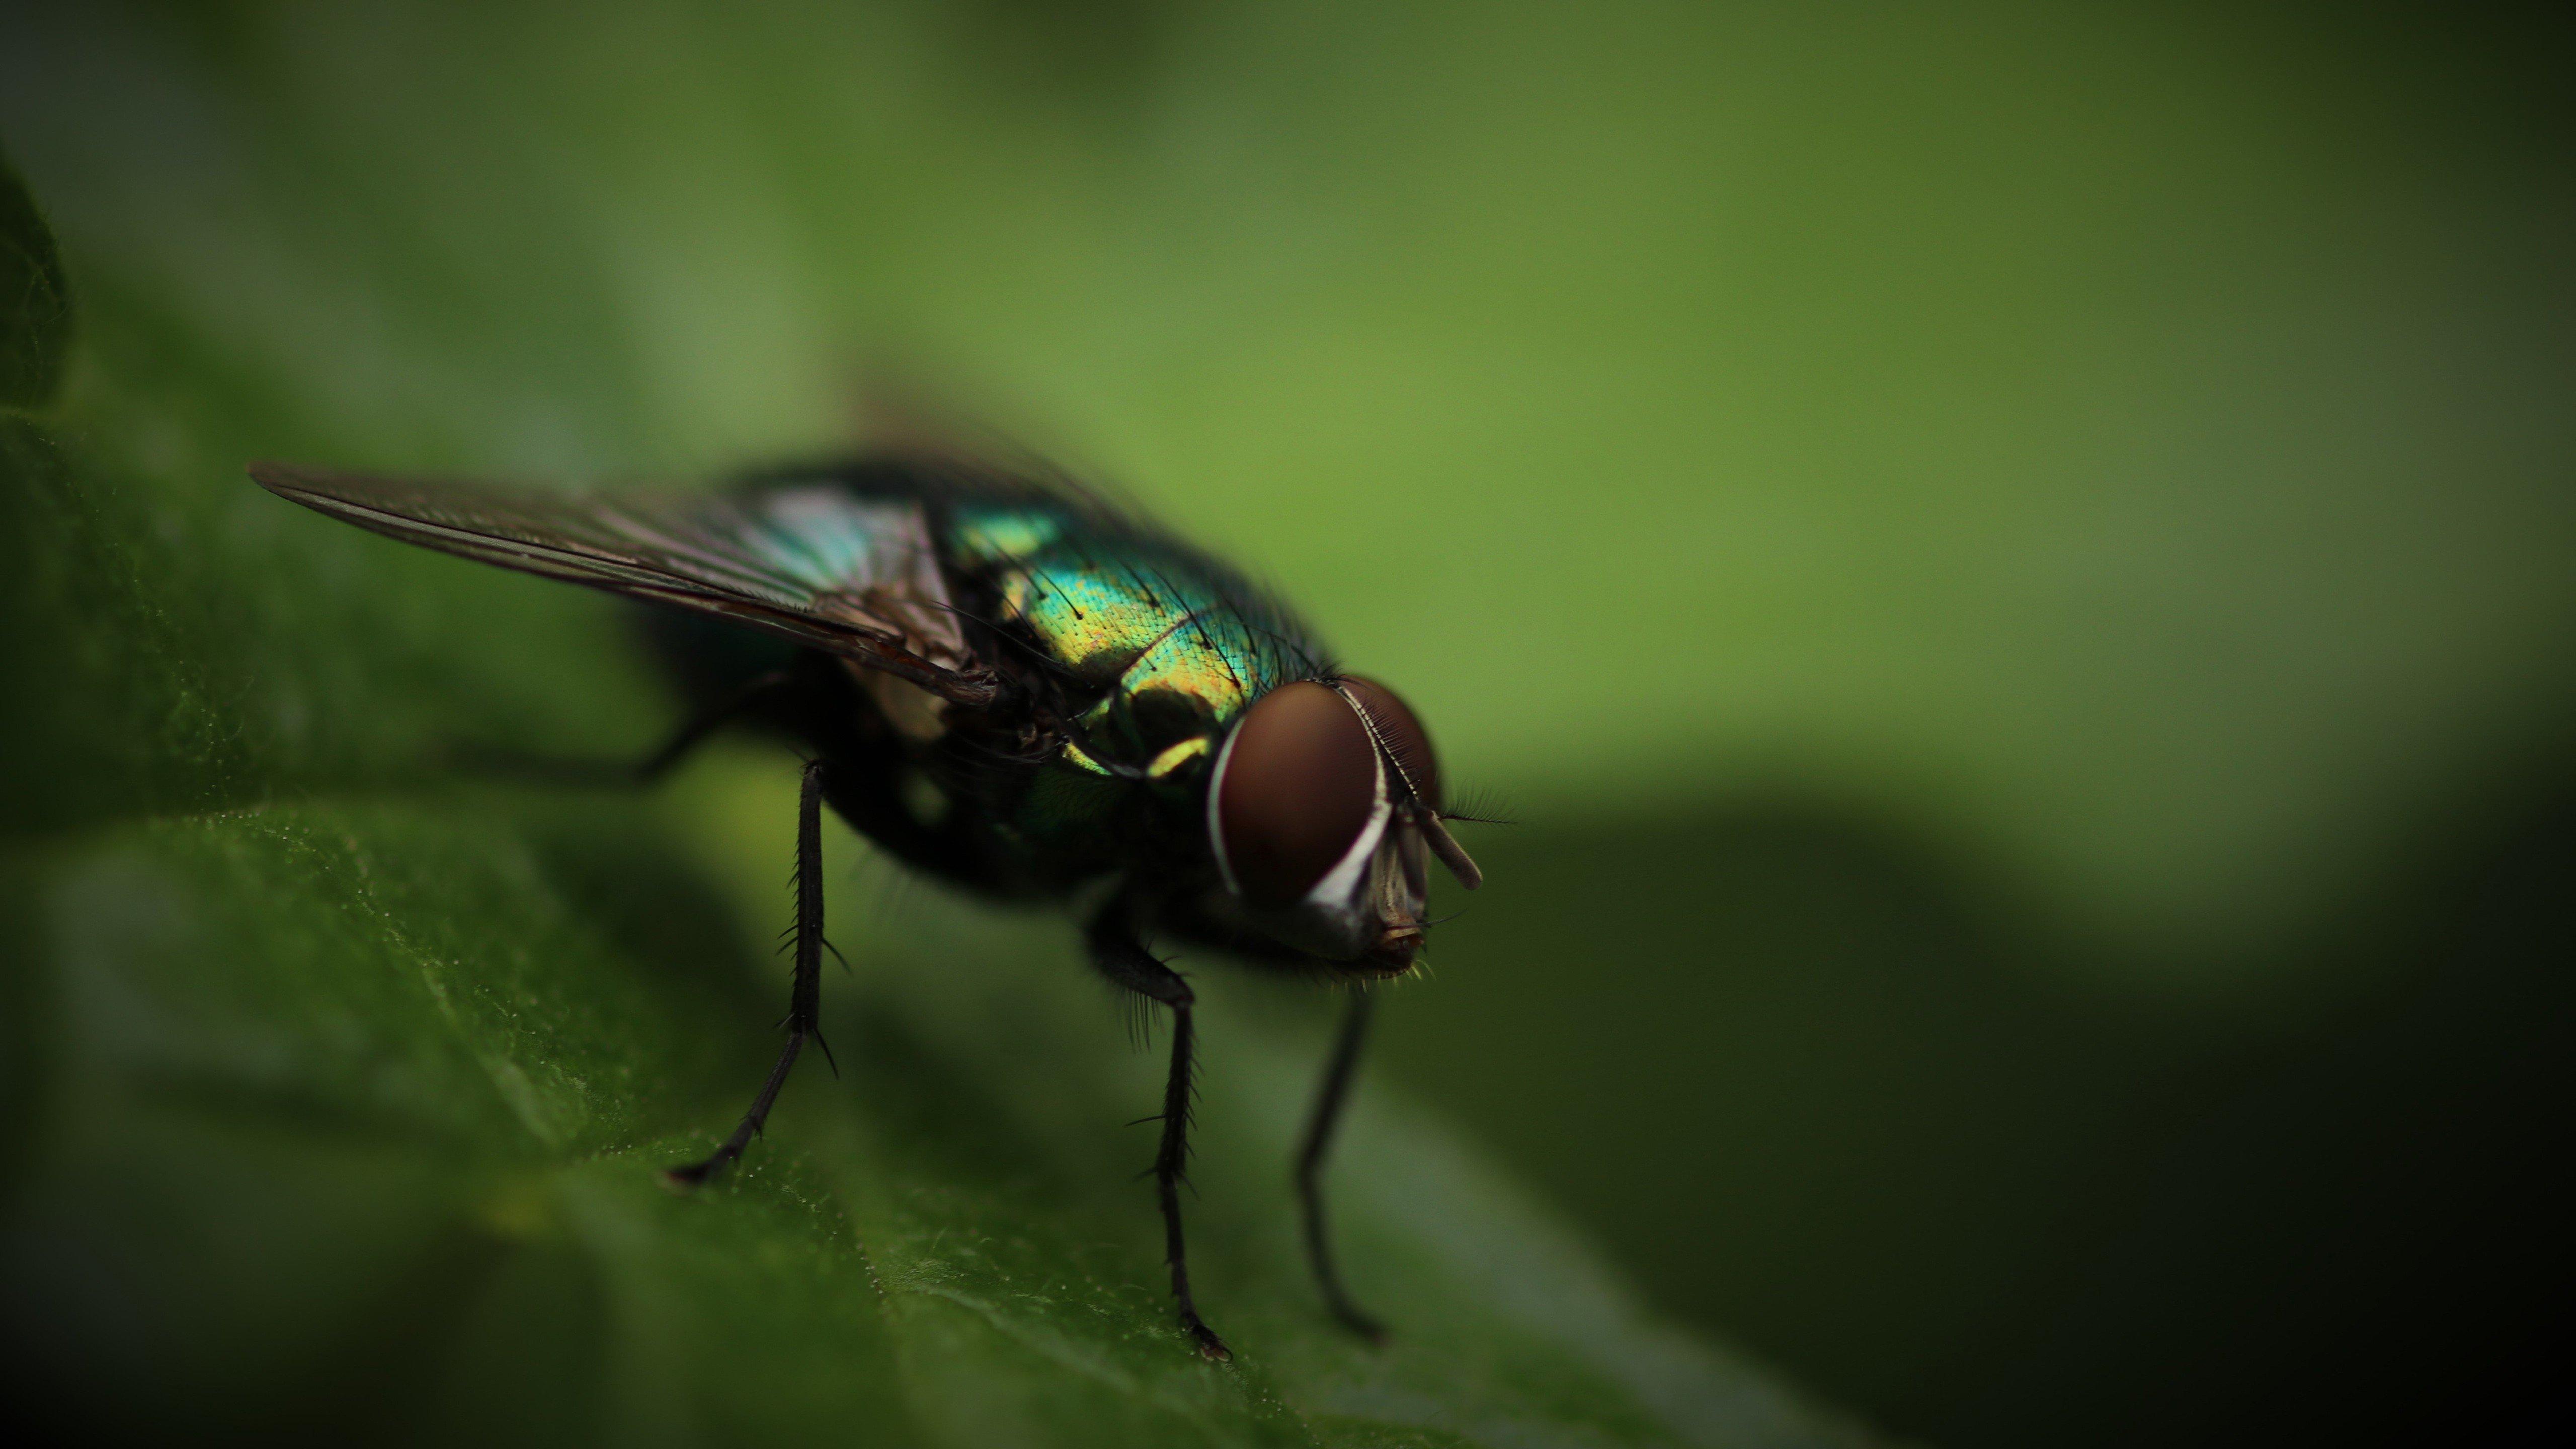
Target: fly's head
<point>1322,810</point>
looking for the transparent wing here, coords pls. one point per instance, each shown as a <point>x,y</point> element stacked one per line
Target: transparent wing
<point>849,573</point>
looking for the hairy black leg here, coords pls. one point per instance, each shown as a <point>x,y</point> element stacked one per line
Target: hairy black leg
<point>1120,957</point>
<point>1329,1101</point>
<point>804,994</point>
<point>649,770</point>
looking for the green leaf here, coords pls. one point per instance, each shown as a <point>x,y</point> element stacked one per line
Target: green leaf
<point>349,1112</point>
<point>339,1085</point>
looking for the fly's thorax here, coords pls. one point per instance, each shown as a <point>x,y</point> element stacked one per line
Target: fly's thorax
<point>1121,785</point>
<point>1154,654</point>
<point>1155,726</point>
<point>1122,611</point>
<point>1090,604</point>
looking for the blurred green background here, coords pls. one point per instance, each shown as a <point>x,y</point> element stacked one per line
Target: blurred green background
<point>2015,565</point>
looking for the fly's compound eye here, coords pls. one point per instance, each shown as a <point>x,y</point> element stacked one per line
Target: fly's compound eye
<point>1405,738</point>
<point>1294,788</point>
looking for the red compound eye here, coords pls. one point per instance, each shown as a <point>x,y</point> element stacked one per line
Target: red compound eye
<point>1405,738</point>
<point>1293,792</point>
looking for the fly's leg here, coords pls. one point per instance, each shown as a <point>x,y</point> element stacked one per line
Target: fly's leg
<point>694,732</point>
<point>1120,957</point>
<point>1329,1101</point>
<point>597,774</point>
<point>805,992</point>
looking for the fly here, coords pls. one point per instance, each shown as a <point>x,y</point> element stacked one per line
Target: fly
<point>1010,685</point>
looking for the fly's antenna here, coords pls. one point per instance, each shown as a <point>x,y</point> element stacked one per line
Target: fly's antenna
<point>1435,833</point>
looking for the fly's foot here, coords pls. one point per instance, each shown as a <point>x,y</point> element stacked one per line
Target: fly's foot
<point>688,1177</point>
<point>1361,1324</point>
<point>1210,1346</point>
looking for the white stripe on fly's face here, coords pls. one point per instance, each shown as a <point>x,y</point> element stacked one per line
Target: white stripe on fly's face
<point>1216,827</point>
<point>1335,892</point>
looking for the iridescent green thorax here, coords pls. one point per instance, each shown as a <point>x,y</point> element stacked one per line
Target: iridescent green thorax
<point>1176,646</point>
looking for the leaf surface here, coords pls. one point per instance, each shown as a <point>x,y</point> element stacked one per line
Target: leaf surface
<point>341,1080</point>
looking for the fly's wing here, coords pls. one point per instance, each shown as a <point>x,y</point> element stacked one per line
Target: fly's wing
<point>851,574</point>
